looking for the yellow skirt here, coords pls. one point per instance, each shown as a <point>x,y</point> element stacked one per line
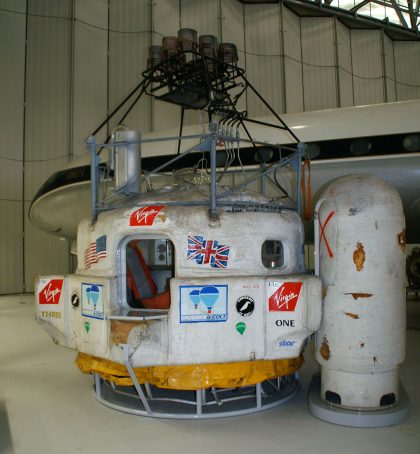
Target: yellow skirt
<point>191,376</point>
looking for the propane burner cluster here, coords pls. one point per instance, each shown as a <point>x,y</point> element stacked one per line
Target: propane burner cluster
<point>195,72</point>
<point>185,46</point>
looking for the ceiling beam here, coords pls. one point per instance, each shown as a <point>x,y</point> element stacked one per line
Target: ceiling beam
<point>399,14</point>
<point>413,21</point>
<point>373,22</point>
<point>358,6</point>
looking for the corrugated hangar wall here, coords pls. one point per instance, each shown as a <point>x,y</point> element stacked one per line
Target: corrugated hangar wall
<point>68,62</point>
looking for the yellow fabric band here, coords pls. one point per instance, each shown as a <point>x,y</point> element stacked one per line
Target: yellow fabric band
<point>192,376</point>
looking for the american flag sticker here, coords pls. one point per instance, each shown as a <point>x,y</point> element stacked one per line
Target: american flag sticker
<point>95,252</point>
<point>207,252</point>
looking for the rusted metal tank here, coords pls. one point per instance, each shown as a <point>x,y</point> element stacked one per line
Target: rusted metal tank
<point>360,256</point>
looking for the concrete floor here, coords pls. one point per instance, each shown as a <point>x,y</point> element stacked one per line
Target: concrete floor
<point>48,406</point>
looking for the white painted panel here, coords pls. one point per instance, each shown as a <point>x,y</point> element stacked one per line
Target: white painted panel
<point>166,19</point>
<point>47,134</point>
<point>48,98</point>
<point>367,67</point>
<point>263,60</point>
<point>11,275</point>
<point>202,15</point>
<point>319,66</point>
<point>391,91</point>
<point>194,117</point>
<point>11,176</point>
<point>165,115</point>
<point>13,5</point>
<point>292,61</point>
<point>12,75</point>
<point>407,64</point>
<point>345,65</point>
<point>56,8</point>
<point>89,96</point>
<point>129,39</point>
<point>165,23</point>
<point>38,171</point>
<point>44,254</point>
<point>233,25</point>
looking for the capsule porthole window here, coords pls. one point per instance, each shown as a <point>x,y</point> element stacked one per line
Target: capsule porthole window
<point>272,254</point>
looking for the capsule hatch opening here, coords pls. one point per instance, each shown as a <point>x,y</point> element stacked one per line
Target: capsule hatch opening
<point>149,266</point>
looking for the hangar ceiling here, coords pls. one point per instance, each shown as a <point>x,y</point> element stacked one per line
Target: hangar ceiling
<point>400,19</point>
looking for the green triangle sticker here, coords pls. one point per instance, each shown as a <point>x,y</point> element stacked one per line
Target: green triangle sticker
<point>240,327</point>
<point>87,326</point>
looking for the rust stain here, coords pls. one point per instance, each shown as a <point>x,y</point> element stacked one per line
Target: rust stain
<point>162,217</point>
<point>350,314</point>
<point>359,295</point>
<point>325,349</point>
<point>359,257</point>
<point>324,292</point>
<point>121,329</point>
<point>402,239</point>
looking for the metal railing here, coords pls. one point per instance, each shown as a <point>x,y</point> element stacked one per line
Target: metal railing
<point>207,142</point>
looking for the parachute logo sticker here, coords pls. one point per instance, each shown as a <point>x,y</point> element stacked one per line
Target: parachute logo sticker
<point>92,301</point>
<point>75,300</point>
<point>241,327</point>
<point>203,303</point>
<point>245,306</point>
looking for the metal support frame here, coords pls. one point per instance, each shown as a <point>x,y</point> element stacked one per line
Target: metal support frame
<point>94,176</point>
<point>126,352</point>
<point>213,176</point>
<point>197,404</point>
<point>208,143</point>
<point>173,76</point>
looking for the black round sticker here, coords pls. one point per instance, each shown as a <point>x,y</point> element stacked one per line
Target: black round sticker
<point>245,305</point>
<point>75,300</point>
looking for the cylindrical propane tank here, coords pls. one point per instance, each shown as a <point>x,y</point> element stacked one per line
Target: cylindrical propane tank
<point>360,245</point>
<point>127,159</point>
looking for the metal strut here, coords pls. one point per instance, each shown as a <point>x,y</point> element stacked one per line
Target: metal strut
<point>126,359</point>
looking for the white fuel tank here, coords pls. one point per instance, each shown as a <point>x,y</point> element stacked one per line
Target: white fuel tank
<point>361,257</point>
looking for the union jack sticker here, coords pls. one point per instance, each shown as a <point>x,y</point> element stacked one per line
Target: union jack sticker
<point>207,252</point>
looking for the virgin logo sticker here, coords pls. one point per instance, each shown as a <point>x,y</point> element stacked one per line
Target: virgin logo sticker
<point>50,294</point>
<point>145,215</point>
<point>285,297</point>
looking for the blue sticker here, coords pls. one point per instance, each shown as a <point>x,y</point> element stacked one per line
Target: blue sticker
<point>287,343</point>
<point>198,303</point>
<point>93,301</point>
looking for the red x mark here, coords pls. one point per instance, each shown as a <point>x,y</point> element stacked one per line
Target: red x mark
<point>330,253</point>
